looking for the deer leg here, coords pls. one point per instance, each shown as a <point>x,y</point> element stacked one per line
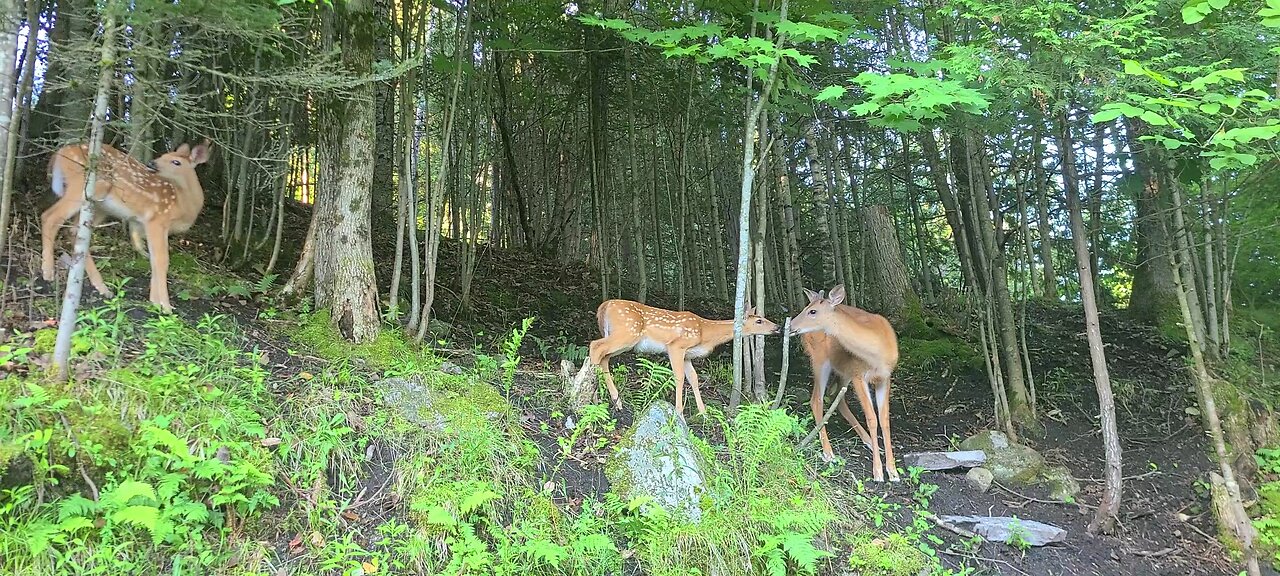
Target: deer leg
<point>608,381</point>
<point>868,411</point>
<point>677,367</point>
<point>853,421</point>
<point>882,403</point>
<point>158,242</point>
<point>601,350</point>
<point>692,377</point>
<point>821,375</point>
<point>50,223</point>
<point>95,278</point>
<point>136,236</point>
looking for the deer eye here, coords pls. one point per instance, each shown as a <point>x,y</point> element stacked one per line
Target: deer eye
<point>812,312</point>
<point>177,162</point>
<point>759,321</point>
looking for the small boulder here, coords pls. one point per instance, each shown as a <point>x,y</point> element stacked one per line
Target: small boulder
<point>451,369</point>
<point>1008,461</point>
<point>1063,487</point>
<point>657,459</point>
<point>979,479</point>
<point>415,401</point>
<point>945,460</point>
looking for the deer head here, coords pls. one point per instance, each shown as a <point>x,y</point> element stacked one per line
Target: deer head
<point>179,166</point>
<point>818,314</point>
<point>757,325</point>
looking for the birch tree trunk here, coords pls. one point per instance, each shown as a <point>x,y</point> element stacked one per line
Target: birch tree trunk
<point>84,232</point>
<point>744,217</point>
<point>10,123</point>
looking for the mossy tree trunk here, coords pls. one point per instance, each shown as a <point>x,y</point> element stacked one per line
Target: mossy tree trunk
<point>353,292</point>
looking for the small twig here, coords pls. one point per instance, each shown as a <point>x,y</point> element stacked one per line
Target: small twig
<point>1125,479</point>
<point>831,410</point>
<point>1157,553</point>
<point>1039,500</point>
<point>984,559</point>
<point>786,357</point>
<point>93,488</point>
<point>1201,532</point>
<point>948,526</point>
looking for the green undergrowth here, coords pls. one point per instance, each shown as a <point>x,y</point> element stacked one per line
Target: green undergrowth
<point>176,450</point>
<point>762,509</point>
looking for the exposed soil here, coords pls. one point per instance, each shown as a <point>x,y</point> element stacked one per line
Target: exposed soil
<point>1165,455</point>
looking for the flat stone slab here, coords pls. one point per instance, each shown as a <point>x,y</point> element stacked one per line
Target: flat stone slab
<point>1010,530</point>
<point>945,460</point>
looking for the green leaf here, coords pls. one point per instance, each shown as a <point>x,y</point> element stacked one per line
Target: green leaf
<point>127,491</point>
<point>477,499</point>
<point>438,516</point>
<point>832,92</point>
<point>1194,11</point>
<point>1153,118</point>
<point>1104,116</point>
<point>1211,108</point>
<point>806,32</point>
<point>144,516</point>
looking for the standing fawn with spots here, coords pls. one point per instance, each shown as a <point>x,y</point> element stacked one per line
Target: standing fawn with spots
<point>684,336</point>
<point>160,197</point>
<point>861,349</point>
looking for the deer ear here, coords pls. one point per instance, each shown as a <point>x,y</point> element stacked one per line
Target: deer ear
<point>811,295</point>
<point>200,154</point>
<point>750,311</point>
<point>837,295</point>
<point>183,150</point>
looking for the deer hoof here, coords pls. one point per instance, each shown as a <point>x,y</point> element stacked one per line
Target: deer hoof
<point>893,476</point>
<point>47,272</point>
<point>828,457</point>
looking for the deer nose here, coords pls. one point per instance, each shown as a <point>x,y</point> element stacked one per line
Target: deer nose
<point>152,166</point>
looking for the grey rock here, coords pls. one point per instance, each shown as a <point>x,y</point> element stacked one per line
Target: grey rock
<point>657,459</point>
<point>1008,461</point>
<point>980,479</point>
<point>414,400</point>
<point>450,368</point>
<point>945,460</point>
<point>1013,531</point>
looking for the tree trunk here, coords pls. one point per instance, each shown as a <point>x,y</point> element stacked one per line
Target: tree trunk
<point>995,280</point>
<point>1105,516</point>
<point>353,293</point>
<point>1154,297</point>
<point>10,125</point>
<point>1043,224</point>
<point>889,287</point>
<point>1234,518</point>
<point>84,233</point>
<point>951,208</point>
<point>436,192</point>
<point>744,218</point>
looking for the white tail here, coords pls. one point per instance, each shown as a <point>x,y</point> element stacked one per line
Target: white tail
<point>860,348</point>
<point>154,199</point>
<point>684,336</point>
